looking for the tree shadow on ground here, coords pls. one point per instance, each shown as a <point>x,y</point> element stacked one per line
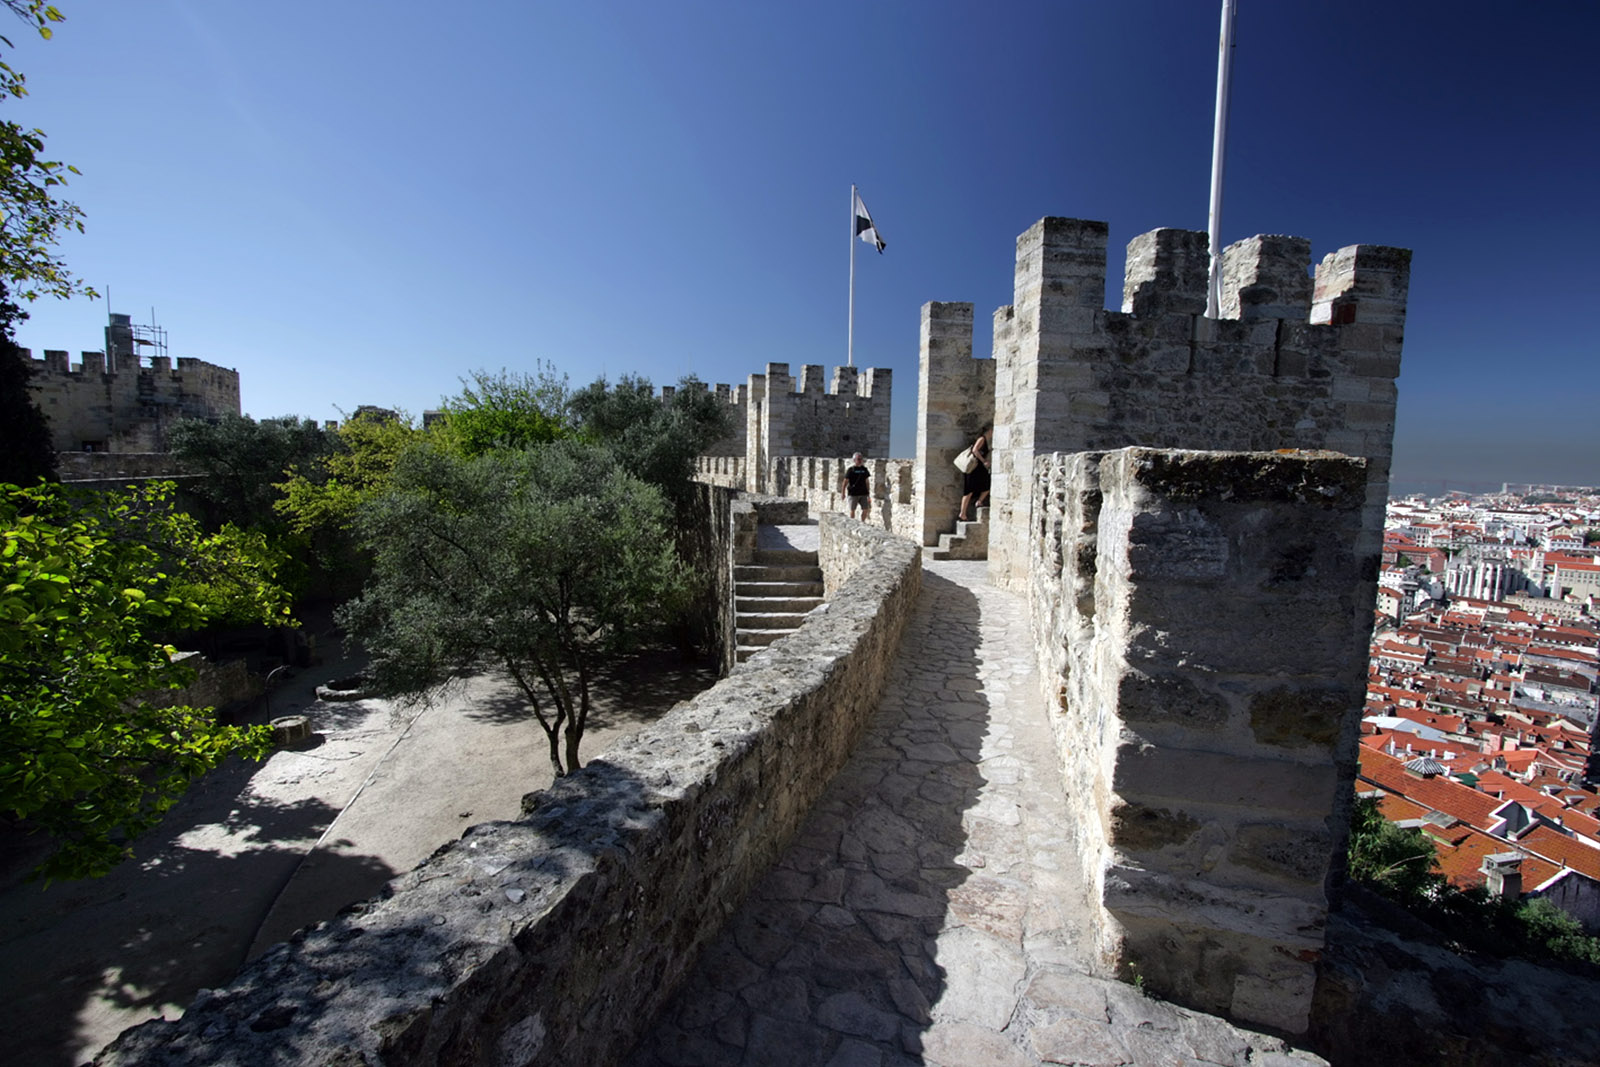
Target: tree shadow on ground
<point>832,957</point>
<point>87,958</point>
<point>627,690</point>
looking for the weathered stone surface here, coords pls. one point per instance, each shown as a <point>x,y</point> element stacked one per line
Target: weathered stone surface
<point>1081,1042</point>
<point>1140,828</point>
<point>1167,698</point>
<point>1300,853</point>
<point>1199,746</point>
<point>1302,716</point>
<point>959,1044</point>
<point>850,1013</point>
<point>623,870</point>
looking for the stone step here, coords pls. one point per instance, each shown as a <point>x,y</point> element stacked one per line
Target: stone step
<point>777,573</point>
<point>763,590</point>
<point>799,605</point>
<point>790,556</point>
<point>744,652</point>
<point>746,637</point>
<point>962,546</point>
<point>770,620</point>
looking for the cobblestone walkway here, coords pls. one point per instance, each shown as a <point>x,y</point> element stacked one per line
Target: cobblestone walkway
<point>925,914</point>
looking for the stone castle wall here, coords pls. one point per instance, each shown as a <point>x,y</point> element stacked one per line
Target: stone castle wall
<point>122,406</point>
<point>1203,621</point>
<point>955,402</point>
<point>1201,617</point>
<point>775,417</point>
<point>1294,362</point>
<point>851,415</point>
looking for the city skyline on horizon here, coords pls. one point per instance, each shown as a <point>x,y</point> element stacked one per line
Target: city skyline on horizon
<point>634,191</point>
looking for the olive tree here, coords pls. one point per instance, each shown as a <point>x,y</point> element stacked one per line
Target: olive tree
<point>537,562</point>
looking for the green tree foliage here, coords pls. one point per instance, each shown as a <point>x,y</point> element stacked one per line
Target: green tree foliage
<point>1402,865</point>
<point>88,582</point>
<point>26,454</point>
<point>244,461</point>
<point>536,562</point>
<point>655,441</point>
<point>1560,935</point>
<point>1401,862</point>
<point>506,410</point>
<point>327,493</point>
<point>34,216</point>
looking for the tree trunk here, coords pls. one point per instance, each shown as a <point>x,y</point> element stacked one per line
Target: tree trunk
<point>555,754</point>
<point>574,736</point>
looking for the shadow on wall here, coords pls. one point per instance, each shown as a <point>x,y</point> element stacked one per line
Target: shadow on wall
<point>842,930</point>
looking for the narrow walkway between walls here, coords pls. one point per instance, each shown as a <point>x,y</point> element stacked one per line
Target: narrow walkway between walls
<point>928,912</point>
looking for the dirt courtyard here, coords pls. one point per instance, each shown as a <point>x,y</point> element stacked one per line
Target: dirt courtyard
<point>257,850</point>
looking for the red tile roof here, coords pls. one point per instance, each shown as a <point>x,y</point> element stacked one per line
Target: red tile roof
<point>1461,852</point>
<point>1559,848</point>
<point>1439,793</point>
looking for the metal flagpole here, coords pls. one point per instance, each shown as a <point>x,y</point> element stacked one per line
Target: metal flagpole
<point>850,337</point>
<point>1219,144</point>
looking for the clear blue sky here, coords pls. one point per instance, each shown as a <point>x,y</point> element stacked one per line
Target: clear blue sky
<point>361,202</point>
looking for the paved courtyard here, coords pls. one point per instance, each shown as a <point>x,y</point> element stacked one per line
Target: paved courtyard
<point>926,914</point>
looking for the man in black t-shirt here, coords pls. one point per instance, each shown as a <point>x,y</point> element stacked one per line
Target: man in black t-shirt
<point>857,487</point>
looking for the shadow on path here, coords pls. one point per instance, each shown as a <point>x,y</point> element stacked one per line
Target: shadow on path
<point>832,958</point>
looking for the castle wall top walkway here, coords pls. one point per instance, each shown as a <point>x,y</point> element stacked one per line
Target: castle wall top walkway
<point>927,913</point>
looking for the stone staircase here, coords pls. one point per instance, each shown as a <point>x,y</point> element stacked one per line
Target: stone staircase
<point>970,541</point>
<point>773,595</point>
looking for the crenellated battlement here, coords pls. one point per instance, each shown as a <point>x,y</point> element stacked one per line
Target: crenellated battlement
<point>123,405</point>
<point>1295,359</point>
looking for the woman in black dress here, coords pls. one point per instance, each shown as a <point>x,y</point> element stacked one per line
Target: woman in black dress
<point>977,479</point>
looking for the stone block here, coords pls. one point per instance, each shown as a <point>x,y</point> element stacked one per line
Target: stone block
<point>1265,277</point>
<point>1166,274</point>
<point>1062,262</point>
<point>1294,853</point>
<point>1177,778</point>
<point>1170,699</point>
<point>1362,284</point>
<point>1144,828</point>
<point>1315,715</point>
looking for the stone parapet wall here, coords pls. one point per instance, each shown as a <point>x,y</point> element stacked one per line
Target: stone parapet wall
<point>815,480</point>
<point>1202,622</point>
<point>1293,362</point>
<point>724,471</point>
<point>104,466</point>
<point>215,685</point>
<point>554,939</point>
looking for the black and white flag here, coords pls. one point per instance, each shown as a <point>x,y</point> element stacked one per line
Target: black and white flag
<point>865,228</point>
